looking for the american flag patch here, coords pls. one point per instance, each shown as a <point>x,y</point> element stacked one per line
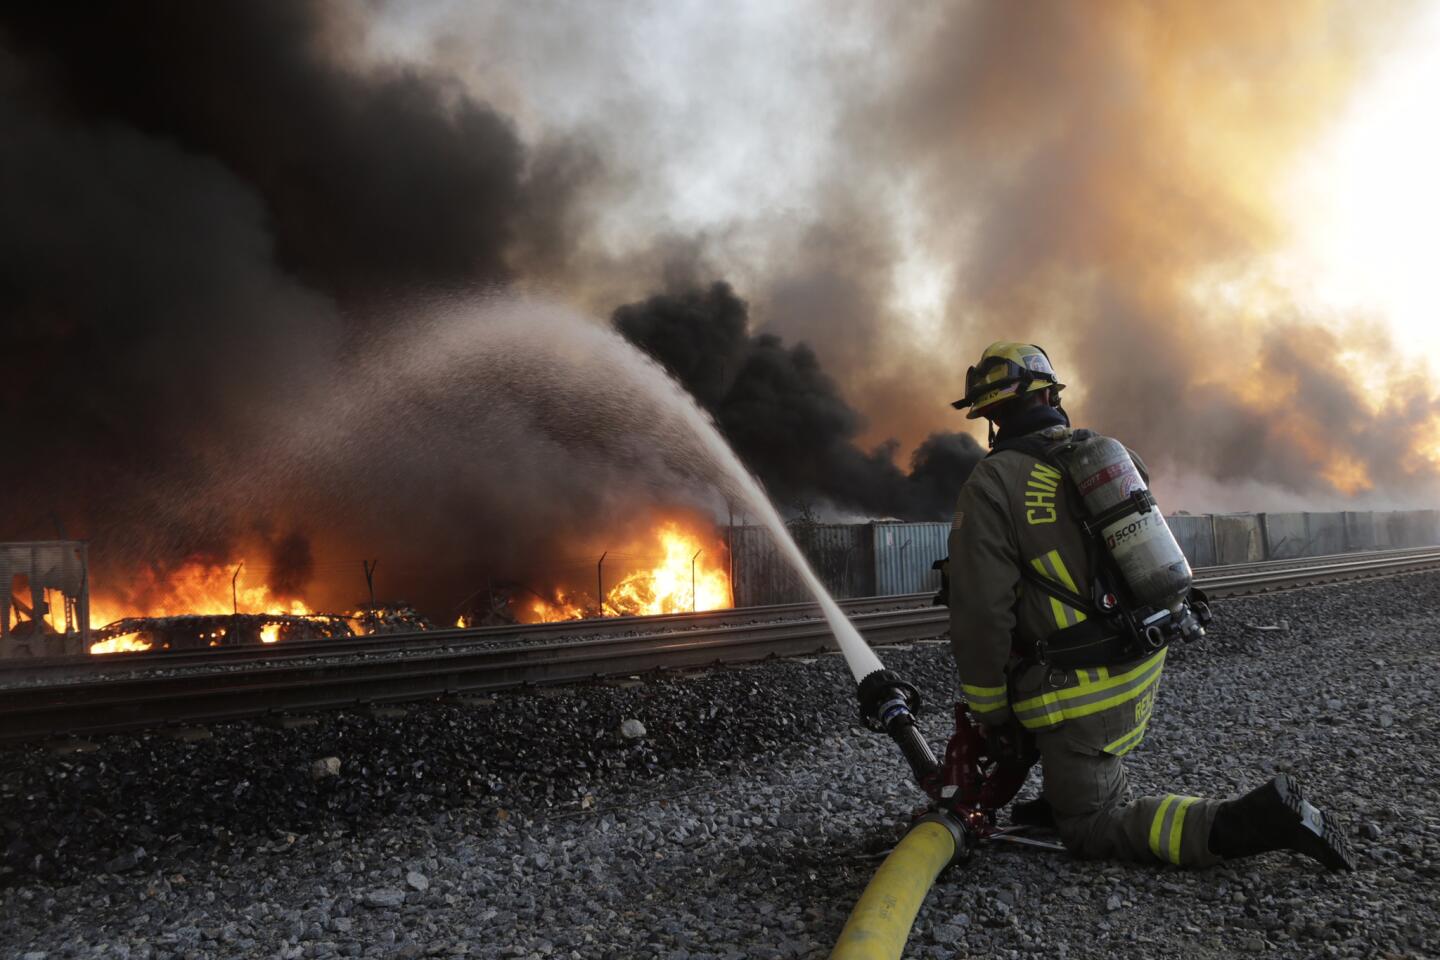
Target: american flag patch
<point>959,520</point>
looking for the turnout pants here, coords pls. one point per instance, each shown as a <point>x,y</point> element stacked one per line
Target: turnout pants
<point>1088,790</point>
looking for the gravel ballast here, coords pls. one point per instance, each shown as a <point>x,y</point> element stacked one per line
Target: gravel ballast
<point>739,815</point>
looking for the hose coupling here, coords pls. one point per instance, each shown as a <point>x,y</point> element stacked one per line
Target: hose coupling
<point>964,840</point>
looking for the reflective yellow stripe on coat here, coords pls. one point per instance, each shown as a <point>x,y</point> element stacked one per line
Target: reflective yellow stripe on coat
<point>985,699</point>
<point>1052,567</point>
<point>1094,691</point>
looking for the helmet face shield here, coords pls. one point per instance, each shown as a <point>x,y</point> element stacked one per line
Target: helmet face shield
<point>1006,370</point>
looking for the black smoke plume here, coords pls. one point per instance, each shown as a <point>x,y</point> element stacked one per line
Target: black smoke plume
<point>207,207</point>
<point>784,416</point>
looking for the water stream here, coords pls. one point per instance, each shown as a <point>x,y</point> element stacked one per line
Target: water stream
<point>538,376</point>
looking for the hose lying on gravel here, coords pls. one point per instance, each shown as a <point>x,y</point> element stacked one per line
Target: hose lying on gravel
<point>880,923</point>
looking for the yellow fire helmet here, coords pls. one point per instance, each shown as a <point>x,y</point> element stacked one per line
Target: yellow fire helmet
<point>1006,370</point>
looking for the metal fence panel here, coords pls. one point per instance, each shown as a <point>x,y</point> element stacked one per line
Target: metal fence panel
<point>760,576</point>
<point>1389,529</point>
<point>1285,535</point>
<point>861,560</point>
<point>1326,533</point>
<point>904,553</point>
<point>1364,530</point>
<point>1196,536</point>
<point>1412,528</point>
<point>1238,538</point>
<point>56,569</point>
<point>840,555</point>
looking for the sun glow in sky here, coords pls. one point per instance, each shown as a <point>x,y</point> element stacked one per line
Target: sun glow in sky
<point>1366,202</point>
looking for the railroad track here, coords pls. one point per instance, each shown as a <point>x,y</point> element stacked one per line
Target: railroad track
<point>419,641</point>
<point>467,665</point>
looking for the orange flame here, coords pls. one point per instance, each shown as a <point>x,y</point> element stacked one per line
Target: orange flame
<point>195,588</point>
<point>669,586</point>
<point>126,643</point>
<point>564,607</point>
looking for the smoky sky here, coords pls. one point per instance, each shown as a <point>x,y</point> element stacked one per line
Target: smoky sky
<point>216,218</point>
<point>916,181</point>
<point>206,210</point>
<point>785,417</point>
<point>214,212</point>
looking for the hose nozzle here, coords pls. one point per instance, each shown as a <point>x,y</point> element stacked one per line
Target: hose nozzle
<point>888,705</point>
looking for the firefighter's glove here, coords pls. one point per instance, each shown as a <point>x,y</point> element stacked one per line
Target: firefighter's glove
<point>1009,742</point>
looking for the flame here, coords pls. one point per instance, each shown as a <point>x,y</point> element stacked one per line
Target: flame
<point>668,586</point>
<point>563,607</point>
<point>195,588</point>
<point>126,643</point>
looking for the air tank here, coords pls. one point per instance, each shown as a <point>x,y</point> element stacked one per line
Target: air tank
<point>1148,557</point>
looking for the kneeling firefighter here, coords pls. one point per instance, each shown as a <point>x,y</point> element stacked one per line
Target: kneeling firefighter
<point>1067,588</point>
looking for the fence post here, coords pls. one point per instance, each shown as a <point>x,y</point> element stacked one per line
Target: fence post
<point>234,590</point>
<point>600,585</point>
<point>694,599</point>
<point>370,566</point>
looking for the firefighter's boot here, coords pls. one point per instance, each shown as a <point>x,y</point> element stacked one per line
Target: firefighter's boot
<point>1277,816</point>
<point>1033,813</point>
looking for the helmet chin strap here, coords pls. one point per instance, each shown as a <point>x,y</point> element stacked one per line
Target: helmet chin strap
<point>1055,402</point>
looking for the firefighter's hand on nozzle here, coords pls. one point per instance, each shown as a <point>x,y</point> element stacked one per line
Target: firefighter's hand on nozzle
<point>1007,741</point>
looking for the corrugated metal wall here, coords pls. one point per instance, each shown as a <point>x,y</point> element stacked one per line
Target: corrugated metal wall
<point>1196,536</point>
<point>1325,534</point>
<point>904,553</point>
<point>1414,528</point>
<point>1238,538</point>
<point>838,553</point>
<point>1286,535</point>
<point>887,559</point>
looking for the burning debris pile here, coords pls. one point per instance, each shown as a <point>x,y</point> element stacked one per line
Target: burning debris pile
<point>689,576</point>
<point>201,605</point>
<point>212,630</point>
<point>679,567</point>
<point>198,631</point>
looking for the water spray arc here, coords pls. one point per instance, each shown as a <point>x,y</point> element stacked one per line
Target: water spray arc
<point>523,376</point>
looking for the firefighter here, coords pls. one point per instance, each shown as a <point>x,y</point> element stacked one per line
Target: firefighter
<point>1015,521</point>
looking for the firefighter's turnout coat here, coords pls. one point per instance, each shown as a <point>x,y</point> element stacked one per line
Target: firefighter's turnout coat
<point>1014,513</point>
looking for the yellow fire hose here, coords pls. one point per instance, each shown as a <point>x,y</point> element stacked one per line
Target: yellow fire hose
<point>880,923</point>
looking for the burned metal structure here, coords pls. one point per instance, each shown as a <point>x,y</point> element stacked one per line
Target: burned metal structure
<point>44,598</point>
<point>200,631</point>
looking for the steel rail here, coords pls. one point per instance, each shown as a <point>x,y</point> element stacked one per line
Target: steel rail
<point>451,638</point>
<point>422,640</point>
<point>106,706</point>
<point>1253,581</point>
<point>1296,563</point>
